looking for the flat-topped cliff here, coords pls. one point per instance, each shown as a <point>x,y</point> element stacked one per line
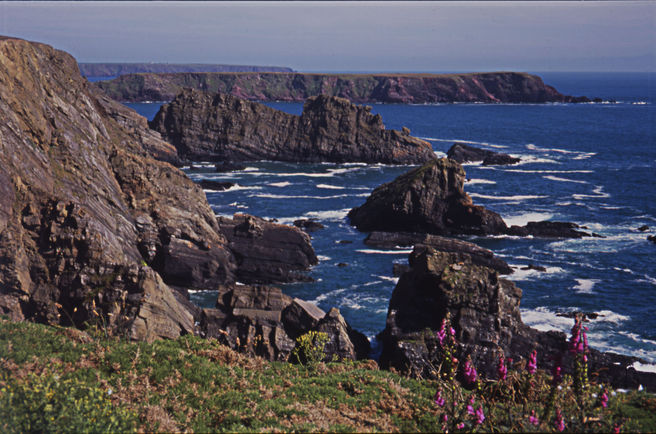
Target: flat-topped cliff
<point>218,127</point>
<point>112,69</point>
<point>489,87</point>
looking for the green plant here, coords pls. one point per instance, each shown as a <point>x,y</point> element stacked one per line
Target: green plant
<point>310,348</point>
<point>49,403</point>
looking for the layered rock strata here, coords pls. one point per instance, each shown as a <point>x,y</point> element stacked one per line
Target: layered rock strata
<point>263,321</point>
<point>431,199</point>
<point>484,311</point>
<point>488,87</point>
<point>469,154</point>
<point>92,227</point>
<point>267,252</point>
<point>219,127</point>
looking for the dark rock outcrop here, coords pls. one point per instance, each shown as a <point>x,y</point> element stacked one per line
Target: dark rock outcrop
<point>427,199</point>
<point>218,127</point>
<point>267,252</point>
<point>488,87</point>
<point>208,184</point>
<point>484,311</point>
<point>431,199</point>
<point>92,227</point>
<point>308,225</point>
<point>463,249</point>
<point>469,154</point>
<point>261,320</point>
<point>652,238</point>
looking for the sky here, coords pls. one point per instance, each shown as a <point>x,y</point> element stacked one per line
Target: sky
<point>350,36</point>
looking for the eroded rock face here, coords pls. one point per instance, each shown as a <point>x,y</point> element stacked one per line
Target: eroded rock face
<point>218,127</point>
<point>90,223</point>
<point>267,252</point>
<point>428,199</point>
<point>484,311</point>
<point>261,320</point>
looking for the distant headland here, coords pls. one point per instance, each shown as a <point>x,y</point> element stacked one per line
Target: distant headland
<point>488,87</point>
<point>116,69</point>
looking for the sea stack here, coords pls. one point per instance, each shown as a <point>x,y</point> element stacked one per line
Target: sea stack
<point>219,127</point>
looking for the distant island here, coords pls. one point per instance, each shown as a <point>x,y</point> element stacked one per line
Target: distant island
<point>488,87</point>
<point>117,69</point>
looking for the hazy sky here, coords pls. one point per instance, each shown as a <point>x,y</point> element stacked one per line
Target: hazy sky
<point>350,36</point>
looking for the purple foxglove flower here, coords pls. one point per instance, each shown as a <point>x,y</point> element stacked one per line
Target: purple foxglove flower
<point>533,419</point>
<point>480,416</point>
<point>559,423</point>
<point>438,398</point>
<point>502,370</point>
<point>532,362</point>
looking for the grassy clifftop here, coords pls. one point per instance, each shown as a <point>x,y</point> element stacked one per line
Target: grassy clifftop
<point>59,379</point>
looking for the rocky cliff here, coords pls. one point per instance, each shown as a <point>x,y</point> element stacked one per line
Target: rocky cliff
<point>218,127</point>
<point>484,311</point>
<point>491,87</point>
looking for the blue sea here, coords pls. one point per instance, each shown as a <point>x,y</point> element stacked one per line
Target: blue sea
<point>592,164</point>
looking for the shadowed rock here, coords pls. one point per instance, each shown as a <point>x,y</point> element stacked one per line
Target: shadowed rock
<point>267,252</point>
<point>218,127</point>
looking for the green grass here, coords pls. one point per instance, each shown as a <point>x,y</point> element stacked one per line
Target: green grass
<point>58,379</point>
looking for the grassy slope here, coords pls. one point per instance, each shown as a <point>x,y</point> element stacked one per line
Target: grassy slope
<point>199,385</point>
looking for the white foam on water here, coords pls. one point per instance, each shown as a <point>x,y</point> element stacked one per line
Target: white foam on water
<point>598,193</point>
<point>519,274</point>
<point>585,155</point>
<point>280,184</point>
<point>284,196</point>
<point>644,367</point>
<point>647,279</point>
<point>325,295</point>
<point>371,283</point>
<point>479,181</point>
<point>238,187</point>
<point>556,178</point>
<point>394,280</point>
<point>543,319</point>
<point>384,252</point>
<point>522,219</point>
<point>470,142</point>
<point>238,205</point>
<point>330,215</point>
<point>439,154</point>
<point>613,317</point>
<point>512,198</point>
<point>584,286</point>
<point>330,187</point>
<point>547,171</point>
<point>531,159</point>
<point>250,169</point>
<point>323,258</point>
<point>472,163</point>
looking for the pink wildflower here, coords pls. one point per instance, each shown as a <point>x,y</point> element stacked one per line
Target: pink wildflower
<point>445,417</point>
<point>533,419</point>
<point>604,399</point>
<point>441,335</point>
<point>480,416</point>
<point>502,370</point>
<point>557,373</point>
<point>461,425</point>
<point>470,372</point>
<point>559,423</point>
<point>470,407</point>
<point>616,428</point>
<point>438,398</point>
<point>532,362</point>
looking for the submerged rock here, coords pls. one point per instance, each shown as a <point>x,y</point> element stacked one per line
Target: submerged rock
<point>218,127</point>
<point>93,229</point>
<point>263,321</point>
<point>308,225</point>
<point>469,154</point>
<point>484,311</point>
<point>207,184</point>
<point>267,252</point>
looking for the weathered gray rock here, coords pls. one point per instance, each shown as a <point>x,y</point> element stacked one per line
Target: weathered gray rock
<point>469,154</point>
<point>261,320</point>
<point>218,127</point>
<point>267,252</point>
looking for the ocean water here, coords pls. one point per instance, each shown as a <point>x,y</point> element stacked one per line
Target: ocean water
<point>592,164</point>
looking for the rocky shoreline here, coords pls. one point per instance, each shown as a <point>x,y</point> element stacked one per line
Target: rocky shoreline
<point>488,87</point>
<point>98,227</point>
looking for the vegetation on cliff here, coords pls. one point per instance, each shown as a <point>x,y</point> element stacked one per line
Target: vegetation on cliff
<point>116,69</point>
<point>61,379</point>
